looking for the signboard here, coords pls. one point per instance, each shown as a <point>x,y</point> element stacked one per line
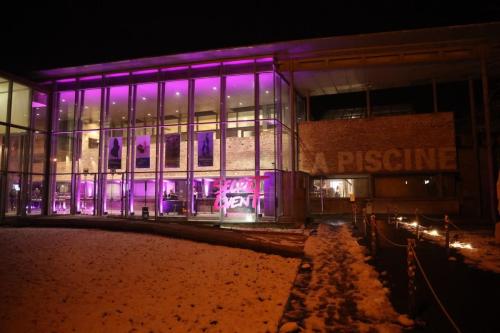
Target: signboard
<point>205,149</point>
<point>385,144</point>
<point>236,193</point>
<point>172,150</point>
<point>142,151</point>
<point>115,153</point>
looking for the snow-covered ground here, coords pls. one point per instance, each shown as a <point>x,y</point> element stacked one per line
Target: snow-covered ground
<point>477,246</point>
<point>344,293</point>
<point>67,280</point>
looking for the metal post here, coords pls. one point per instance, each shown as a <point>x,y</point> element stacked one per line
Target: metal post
<point>418,224</point>
<point>365,222</point>
<point>257,138</point>
<point>489,151</point>
<point>308,106</point>
<point>412,288</point>
<point>447,234</point>
<point>373,241</point>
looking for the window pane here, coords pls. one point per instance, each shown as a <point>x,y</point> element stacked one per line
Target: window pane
<point>18,146</point>
<point>240,100</point>
<point>285,102</point>
<point>118,107</point>
<point>207,100</point>
<point>266,96</point>
<point>207,148</point>
<point>39,153</point>
<point>66,111</point>
<point>267,144</point>
<point>175,148</point>
<point>63,153</point>
<point>39,110</point>
<point>146,104</point>
<point>341,188</point>
<point>13,199</point>
<point>87,152</point>
<point>240,146</point>
<point>176,102</point>
<point>21,110</point>
<point>91,111</point>
<point>205,188</point>
<point>174,197</point>
<point>62,195</point>
<point>3,150</point>
<point>4,96</point>
<point>115,150</point>
<point>36,193</point>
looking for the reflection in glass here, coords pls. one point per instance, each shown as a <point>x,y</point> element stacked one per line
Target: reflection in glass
<point>91,110</point>
<point>176,102</point>
<point>146,104</point>
<point>21,109</point>
<point>65,113</point>
<point>118,107</point>
<point>4,97</point>
<point>207,100</point>
<point>39,110</point>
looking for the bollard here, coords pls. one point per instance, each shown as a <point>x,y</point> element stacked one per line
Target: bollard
<point>412,288</point>
<point>447,234</point>
<point>365,222</point>
<point>354,216</point>
<point>418,224</point>
<point>373,225</point>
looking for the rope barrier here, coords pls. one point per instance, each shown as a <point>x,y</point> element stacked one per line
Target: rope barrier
<point>389,241</point>
<point>434,293</point>
<point>431,218</point>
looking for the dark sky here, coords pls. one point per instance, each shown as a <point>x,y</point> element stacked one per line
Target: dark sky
<point>48,35</point>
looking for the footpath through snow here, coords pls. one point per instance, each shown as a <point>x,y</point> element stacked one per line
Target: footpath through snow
<point>337,291</point>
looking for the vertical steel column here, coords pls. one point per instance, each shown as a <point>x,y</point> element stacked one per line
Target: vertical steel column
<point>48,156</point>
<point>76,142</point>
<point>223,125</point>
<point>292,147</point>
<point>279,147</point>
<point>434,95</point>
<point>257,139</point>
<point>28,178</point>
<point>6,154</point>
<point>131,155</point>
<point>190,148</point>
<point>100,195</point>
<point>489,150</point>
<point>473,125</point>
<point>160,149</point>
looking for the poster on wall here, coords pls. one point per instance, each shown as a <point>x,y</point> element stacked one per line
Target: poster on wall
<point>142,150</point>
<point>205,149</point>
<point>115,153</point>
<point>172,150</point>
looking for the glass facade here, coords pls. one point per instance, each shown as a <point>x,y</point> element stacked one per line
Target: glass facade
<point>203,145</point>
<point>23,149</point>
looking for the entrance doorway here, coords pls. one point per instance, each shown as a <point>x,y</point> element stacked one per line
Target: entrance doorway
<point>86,199</point>
<point>115,197</point>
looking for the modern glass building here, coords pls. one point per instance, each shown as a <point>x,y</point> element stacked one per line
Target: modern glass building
<point>266,133</point>
<point>208,141</point>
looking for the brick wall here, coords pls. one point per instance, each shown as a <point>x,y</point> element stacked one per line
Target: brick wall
<point>423,142</point>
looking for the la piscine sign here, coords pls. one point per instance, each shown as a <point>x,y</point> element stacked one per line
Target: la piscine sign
<point>236,193</point>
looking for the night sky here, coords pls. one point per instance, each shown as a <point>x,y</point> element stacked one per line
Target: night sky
<point>69,33</point>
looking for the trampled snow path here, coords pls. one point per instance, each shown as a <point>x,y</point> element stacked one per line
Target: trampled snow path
<point>337,291</point>
<point>67,280</point>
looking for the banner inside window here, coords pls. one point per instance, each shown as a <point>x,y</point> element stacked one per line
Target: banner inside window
<point>115,153</point>
<point>205,149</point>
<point>142,152</point>
<point>172,150</point>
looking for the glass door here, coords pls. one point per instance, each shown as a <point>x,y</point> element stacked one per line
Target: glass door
<point>115,194</point>
<point>86,203</point>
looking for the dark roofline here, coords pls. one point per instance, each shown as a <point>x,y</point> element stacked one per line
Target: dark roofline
<point>288,49</point>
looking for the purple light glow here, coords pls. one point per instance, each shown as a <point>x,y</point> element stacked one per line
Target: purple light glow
<point>117,74</point>
<point>66,80</point>
<point>172,69</point>
<point>210,65</point>
<point>265,60</point>
<point>37,105</point>
<point>89,78</point>
<point>147,71</point>
<point>237,62</point>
